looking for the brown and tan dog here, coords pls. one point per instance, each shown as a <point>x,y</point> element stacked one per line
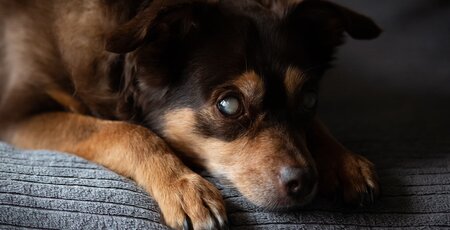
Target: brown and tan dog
<point>228,85</point>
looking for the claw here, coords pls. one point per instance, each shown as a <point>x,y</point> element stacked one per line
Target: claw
<point>187,225</point>
<point>368,197</point>
<point>361,199</point>
<point>371,195</point>
<point>224,226</point>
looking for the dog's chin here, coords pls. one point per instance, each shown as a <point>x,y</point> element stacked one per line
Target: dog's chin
<point>284,203</point>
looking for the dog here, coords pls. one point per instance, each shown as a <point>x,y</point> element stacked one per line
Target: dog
<point>146,88</point>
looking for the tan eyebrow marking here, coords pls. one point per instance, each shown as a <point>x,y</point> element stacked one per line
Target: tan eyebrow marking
<point>251,85</point>
<point>294,79</point>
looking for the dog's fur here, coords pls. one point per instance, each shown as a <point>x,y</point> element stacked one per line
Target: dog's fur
<point>135,86</point>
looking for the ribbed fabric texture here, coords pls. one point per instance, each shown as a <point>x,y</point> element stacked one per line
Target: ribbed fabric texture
<point>47,190</point>
<point>42,189</point>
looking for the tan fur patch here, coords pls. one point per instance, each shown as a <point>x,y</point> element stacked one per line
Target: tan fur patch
<point>67,101</point>
<point>294,80</point>
<point>251,85</point>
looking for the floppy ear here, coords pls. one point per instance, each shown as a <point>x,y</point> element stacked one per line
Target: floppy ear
<point>154,22</point>
<point>332,20</point>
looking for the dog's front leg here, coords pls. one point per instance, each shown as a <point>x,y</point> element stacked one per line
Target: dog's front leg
<point>340,170</point>
<point>131,151</point>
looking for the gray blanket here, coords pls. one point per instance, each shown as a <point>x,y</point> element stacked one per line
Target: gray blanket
<point>47,190</point>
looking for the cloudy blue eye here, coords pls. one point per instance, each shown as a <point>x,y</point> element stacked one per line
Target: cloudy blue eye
<point>309,100</point>
<point>229,106</point>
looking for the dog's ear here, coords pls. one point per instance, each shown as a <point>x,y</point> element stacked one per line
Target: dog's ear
<point>154,22</point>
<point>330,21</point>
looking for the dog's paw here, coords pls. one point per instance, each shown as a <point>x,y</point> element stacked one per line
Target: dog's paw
<point>191,202</point>
<point>359,182</point>
<point>354,177</point>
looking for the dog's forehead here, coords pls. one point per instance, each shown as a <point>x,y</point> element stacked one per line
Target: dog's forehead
<point>256,54</point>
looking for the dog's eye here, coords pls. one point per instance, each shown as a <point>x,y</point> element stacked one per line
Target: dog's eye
<point>309,100</point>
<point>229,106</point>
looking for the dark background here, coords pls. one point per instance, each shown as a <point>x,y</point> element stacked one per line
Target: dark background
<point>388,99</point>
<point>395,88</point>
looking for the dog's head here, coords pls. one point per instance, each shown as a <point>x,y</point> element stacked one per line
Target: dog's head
<point>233,85</point>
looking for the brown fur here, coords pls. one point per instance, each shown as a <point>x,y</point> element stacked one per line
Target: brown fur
<point>294,81</point>
<point>251,86</point>
<point>69,68</point>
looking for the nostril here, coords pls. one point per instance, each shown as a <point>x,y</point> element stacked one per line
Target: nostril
<point>296,181</point>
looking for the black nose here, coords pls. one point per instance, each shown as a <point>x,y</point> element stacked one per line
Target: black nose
<point>297,182</point>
